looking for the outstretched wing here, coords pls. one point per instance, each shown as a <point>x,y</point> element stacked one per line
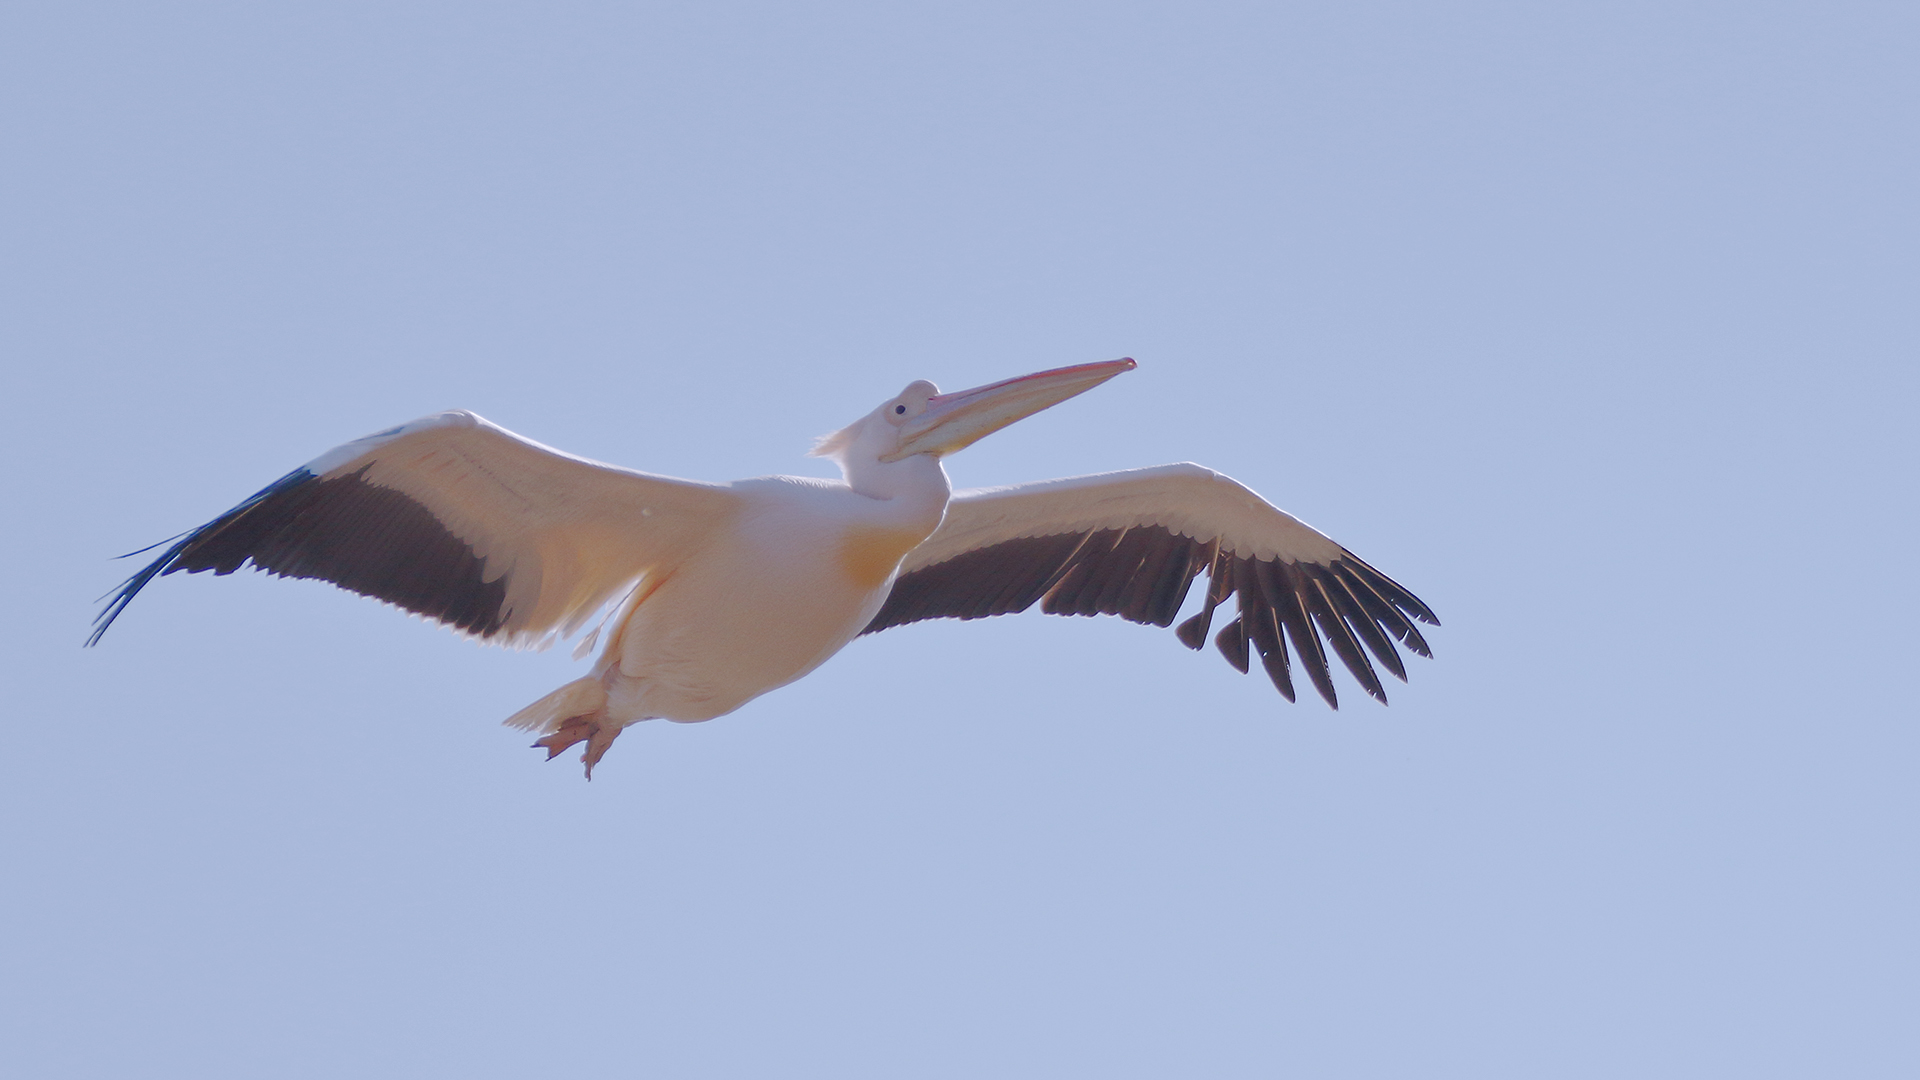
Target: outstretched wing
<point>461,521</point>
<point>1131,543</point>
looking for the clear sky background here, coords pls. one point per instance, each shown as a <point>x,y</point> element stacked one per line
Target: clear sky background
<point>1595,324</point>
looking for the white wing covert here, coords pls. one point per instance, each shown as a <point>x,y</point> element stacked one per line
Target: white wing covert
<point>1131,543</point>
<point>461,521</point>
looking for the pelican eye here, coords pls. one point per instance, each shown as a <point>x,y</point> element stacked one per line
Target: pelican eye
<point>899,410</point>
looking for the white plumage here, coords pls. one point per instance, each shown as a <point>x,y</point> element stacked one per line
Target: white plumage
<point>722,592</point>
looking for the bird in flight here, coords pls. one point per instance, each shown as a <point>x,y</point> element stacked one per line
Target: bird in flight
<point>722,592</point>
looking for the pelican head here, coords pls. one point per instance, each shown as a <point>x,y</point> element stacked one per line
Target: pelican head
<point>923,422</point>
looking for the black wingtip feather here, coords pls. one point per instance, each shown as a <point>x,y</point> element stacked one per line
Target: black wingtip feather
<point>1144,573</point>
<point>1257,619</point>
<point>1341,593</point>
<point>1335,631</point>
<point>1275,664</point>
<point>1393,591</point>
<point>1232,643</point>
<point>367,539</point>
<point>167,562</point>
<point>1280,582</point>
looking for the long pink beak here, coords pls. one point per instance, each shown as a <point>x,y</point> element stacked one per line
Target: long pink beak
<point>956,421</point>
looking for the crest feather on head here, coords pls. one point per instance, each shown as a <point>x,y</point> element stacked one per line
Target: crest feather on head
<point>834,445</point>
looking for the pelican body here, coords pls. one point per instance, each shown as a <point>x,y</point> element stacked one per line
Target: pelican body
<point>717,593</point>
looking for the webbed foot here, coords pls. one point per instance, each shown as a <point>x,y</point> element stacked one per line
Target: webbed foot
<point>597,735</point>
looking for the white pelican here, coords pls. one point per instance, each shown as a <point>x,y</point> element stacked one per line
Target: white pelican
<point>722,592</point>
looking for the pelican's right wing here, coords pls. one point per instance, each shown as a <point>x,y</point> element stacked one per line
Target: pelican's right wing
<point>461,521</point>
<point>1131,544</point>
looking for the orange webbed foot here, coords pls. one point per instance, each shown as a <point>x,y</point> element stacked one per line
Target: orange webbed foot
<point>598,737</point>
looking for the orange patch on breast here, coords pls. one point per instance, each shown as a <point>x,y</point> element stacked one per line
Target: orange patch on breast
<point>869,555</point>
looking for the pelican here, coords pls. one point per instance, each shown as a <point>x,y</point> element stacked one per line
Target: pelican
<point>713,594</point>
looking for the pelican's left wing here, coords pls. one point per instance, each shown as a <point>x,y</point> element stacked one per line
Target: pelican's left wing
<point>461,521</point>
<point>1131,543</point>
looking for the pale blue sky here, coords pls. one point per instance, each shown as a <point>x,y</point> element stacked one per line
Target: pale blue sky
<point>1595,325</point>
